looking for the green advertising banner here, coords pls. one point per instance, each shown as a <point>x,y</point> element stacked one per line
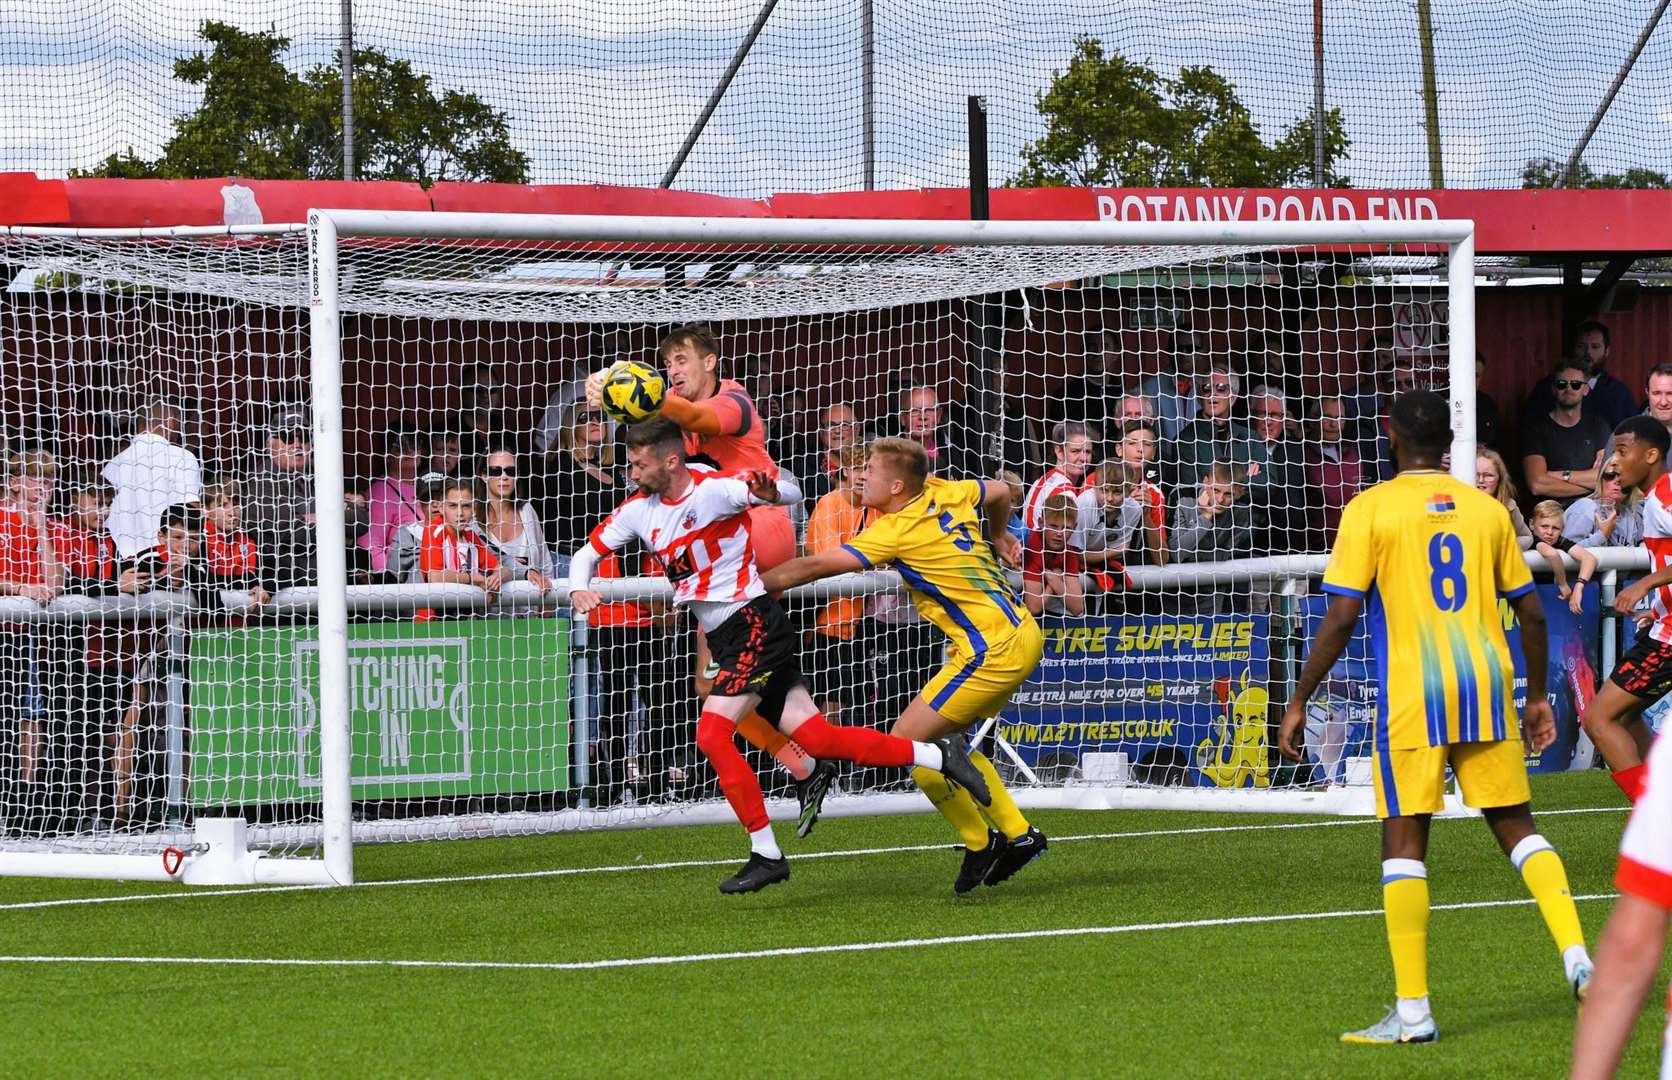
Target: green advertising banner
<point>467,707</point>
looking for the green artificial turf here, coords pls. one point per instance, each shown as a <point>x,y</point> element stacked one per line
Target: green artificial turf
<point>1265,999</point>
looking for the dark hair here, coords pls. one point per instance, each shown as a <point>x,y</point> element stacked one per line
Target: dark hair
<point>1422,420</point>
<point>460,483</point>
<point>1568,363</point>
<point>1592,326</point>
<point>1646,429</point>
<point>1658,369</point>
<point>699,337</point>
<point>188,516</point>
<point>663,436</point>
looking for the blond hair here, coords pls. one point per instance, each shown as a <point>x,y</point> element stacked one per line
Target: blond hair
<point>1549,509</point>
<point>1060,508</point>
<point>37,463</point>
<point>906,456</point>
<point>570,439</point>
<point>1505,492</point>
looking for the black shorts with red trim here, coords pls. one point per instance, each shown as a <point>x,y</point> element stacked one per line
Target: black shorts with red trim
<point>756,653</point>
<point>1646,670</point>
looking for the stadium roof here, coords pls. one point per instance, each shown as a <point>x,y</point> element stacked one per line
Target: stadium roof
<point>1509,222</point>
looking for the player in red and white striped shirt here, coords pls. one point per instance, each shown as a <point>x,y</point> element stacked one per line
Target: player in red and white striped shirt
<point>698,525</point>
<point>1614,720</point>
<point>1631,948</point>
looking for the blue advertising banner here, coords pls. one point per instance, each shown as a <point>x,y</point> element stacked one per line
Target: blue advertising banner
<point>1573,639</point>
<point>1183,697</point>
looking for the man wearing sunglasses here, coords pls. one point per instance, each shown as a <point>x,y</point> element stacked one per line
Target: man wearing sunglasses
<point>1563,448</point>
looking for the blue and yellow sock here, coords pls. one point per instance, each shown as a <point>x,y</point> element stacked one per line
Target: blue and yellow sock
<point>1405,903</point>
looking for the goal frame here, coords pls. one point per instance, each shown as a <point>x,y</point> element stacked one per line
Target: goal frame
<point>220,855</point>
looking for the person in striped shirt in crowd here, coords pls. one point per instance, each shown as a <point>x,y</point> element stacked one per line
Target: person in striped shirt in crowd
<point>231,556</point>
<point>1614,720</point>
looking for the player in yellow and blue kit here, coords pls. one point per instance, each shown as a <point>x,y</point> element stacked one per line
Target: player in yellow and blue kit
<point>931,531</point>
<point>1426,557</point>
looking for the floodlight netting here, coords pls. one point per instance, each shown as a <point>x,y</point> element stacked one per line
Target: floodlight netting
<point>1232,400</point>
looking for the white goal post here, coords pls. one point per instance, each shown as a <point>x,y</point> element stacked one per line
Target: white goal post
<point>553,273</point>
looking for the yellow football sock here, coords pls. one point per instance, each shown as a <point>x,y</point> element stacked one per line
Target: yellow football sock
<point>1405,903</point>
<point>1002,809</point>
<point>956,806</point>
<point>1546,878</point>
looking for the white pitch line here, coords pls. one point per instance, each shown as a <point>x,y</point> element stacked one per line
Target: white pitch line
<point>761,954</point>
<point>571,871</point>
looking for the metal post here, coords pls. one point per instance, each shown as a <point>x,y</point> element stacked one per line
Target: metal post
<point>580,667</point>
<point>867,91</point>
<point>174,660</point>
<point>1571,173</point>
<point>1460,303</point>
<point>989,317</point>
<point>347,62</point>
<point>978,157</point>
<point>719,92</point>
<point>1430,94</point>
<point>1317,93</point>
<point>330,534</point>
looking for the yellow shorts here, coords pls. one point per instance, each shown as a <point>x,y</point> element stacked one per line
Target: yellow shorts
<point>1413,781</point>
<point>968,689</point>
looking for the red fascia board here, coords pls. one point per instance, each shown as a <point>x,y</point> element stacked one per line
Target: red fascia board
<point>590,199</point>
<point>119,204</point>
<point>25,199</point>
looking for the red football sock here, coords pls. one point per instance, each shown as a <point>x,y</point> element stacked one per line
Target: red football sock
<point>859,745</point>
<point>737,780</point>
<point>1631,780</point>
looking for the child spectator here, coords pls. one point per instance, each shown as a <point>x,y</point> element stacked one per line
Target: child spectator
<point>1214,526</point>
<point>1492,477</point>
<point>85,548</point>
<point>1137,449</point>
<point>401,567</point>
<point>1051,567</point>
<point>1549,542</point>
<point>1017,527</point>
<point>229,555</point>
<point>453,551</point>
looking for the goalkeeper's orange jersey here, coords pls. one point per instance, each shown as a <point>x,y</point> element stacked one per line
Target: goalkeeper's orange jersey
<point>1431,555</point>
<point>935,543</point>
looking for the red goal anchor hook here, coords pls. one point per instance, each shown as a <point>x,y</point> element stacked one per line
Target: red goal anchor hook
<point>173,858</point>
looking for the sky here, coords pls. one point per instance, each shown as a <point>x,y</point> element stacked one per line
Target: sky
<point>605,90</point>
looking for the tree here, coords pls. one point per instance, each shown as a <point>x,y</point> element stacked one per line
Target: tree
<point>1111,121</point>
<point>1547,172</point>
<point>261,120</point>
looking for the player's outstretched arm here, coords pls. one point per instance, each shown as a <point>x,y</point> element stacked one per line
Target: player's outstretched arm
<point>1333,636</point>
<point>700,417</point>
<point>811,568</point>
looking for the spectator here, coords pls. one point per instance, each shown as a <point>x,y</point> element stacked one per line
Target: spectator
<point>1564,448</point>
<point>1129,526</point>
<point>838,668</point>
<point>1607,517</point>
<point>554,419</point>
<point>28,568</point>
<point>1099,397</point>
<point>1136,450</point>
<point>1073,445</point>
<point>787,418</point>
<point>1487,418</point>
<point>1051,566</point>
<point>1492,477</point>
<point>1176,391</point>
<point>279,504</point>
<point>84,546</point>
<point>1212,438</point>
<point>1658,404</point>
<point>153,472</point>
<point>584,483</point>
<point>405,551</point>
<point>1338,471</point>
<point>511,527</point>
<point>820,472</point>
<point>230,556</point>
<point>454,552</point>
<point>1609,399</point>
<point>923,419</point>
<point>1281,495</point>
<point>483,416</point>
<point>1549,542</point>
<point>392,502</point>
<point>446,453</point>
<point>1214,526</point>
<point>1016,526</point>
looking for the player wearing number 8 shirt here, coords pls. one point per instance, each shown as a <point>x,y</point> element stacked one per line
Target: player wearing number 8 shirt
<point>1426,556</point>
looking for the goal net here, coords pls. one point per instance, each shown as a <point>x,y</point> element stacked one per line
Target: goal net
<point>290,510</point>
